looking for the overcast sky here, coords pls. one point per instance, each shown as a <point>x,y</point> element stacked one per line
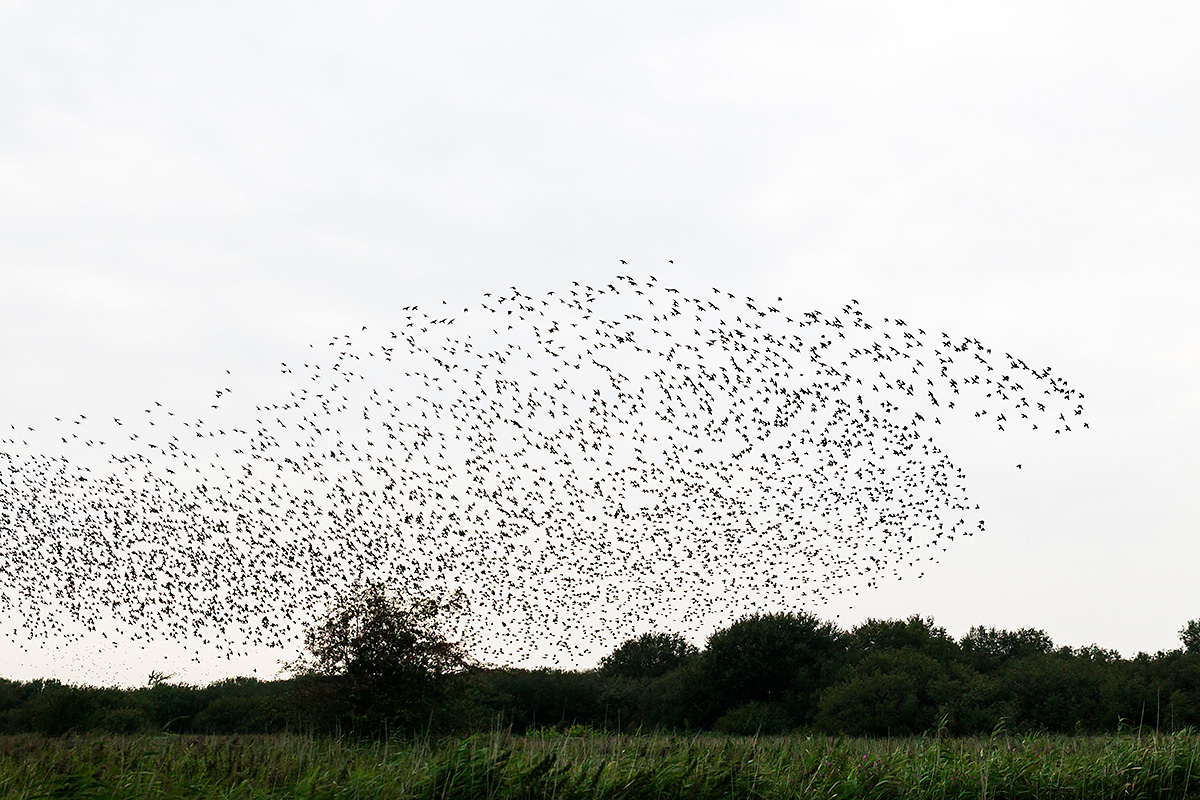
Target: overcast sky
<point>190,189</point>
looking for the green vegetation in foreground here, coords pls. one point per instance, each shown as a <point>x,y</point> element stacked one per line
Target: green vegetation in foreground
<point>584,764</point>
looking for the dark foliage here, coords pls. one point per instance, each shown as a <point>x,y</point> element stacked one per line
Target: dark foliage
<point>987,648</point>
<point>649,656</point>
<point>770,658</point>
<point>382,661</point>
<point>381,666</point>
<point>1190,636</point>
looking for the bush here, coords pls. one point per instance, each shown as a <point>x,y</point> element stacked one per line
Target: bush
<point>681,700</point>
<point>565,731</point>
<point>58,710</point>
<point>126,721</point>
<point>754,719</point>
<point>237,715</point>
<point>887,693</point>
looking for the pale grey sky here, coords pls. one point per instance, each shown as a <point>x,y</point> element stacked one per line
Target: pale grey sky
<point>189,190</point>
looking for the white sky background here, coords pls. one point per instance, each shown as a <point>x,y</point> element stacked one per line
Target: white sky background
<point>189,190</point>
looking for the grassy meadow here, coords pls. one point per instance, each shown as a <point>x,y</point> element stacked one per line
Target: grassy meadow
<point>582,764</point>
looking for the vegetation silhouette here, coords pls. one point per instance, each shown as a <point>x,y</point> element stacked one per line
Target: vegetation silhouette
<point>380,659</point>
<point>381,663</point>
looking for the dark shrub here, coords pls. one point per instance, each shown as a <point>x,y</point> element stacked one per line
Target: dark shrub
<point>754,719</point>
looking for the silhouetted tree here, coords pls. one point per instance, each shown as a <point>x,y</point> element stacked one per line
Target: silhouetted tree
<point>385,657</point>
<point>771,658</point>
<point>648,656</point>
<point>914,633</point>
<point>1190,636</point>
<point>988,648</point>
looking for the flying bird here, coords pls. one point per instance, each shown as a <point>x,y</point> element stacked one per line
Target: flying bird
<point>584,465</point>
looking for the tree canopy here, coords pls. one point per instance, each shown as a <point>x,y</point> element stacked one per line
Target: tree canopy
<point>386,653</point>
<point>1190,636</point>
<point>649,656</point>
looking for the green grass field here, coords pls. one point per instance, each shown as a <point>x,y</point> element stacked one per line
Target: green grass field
<point>593,766</point>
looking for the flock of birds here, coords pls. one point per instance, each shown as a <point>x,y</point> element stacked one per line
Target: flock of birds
<point>583,466</point>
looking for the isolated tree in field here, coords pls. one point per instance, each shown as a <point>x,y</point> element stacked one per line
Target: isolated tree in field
<point>1190,636</point>
<point>387,654</point>
<point>649,656</point>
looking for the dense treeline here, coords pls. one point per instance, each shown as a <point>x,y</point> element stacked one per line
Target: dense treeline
<point>763,674</point>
